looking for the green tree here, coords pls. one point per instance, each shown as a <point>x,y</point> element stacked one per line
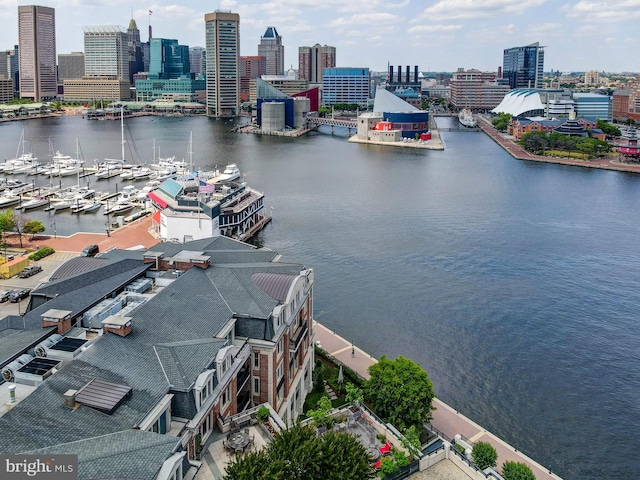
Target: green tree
<point>608,129</point>
<point>534,141</point>
<point>298,453</point>
<point>33,227</point>
<point>354,394</point>
<point>7,221</point>
<point>411,440</point>
<point>400,391</point>
<point>501,121</point>
<point>320,415</point>
<point>484,455</point>
<point>517,471</point>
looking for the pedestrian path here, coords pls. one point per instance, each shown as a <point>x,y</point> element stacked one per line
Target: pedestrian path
<point>445,418</point>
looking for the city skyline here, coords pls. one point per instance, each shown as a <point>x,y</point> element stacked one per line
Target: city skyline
<point>578,36</point>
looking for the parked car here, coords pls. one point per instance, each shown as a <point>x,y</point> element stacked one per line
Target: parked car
<point>4,295</point>
<point>30,271</point>
<point>18,295</point>
<point>90,251</point>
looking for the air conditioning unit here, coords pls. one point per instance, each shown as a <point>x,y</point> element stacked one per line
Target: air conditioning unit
<point>9,371</point>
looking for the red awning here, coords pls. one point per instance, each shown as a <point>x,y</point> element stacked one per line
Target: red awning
<point>156,217</point>
<point>157,200</point>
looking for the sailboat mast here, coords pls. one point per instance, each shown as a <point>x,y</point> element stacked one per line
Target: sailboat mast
<point>191,151</point>
<point>122,129</point>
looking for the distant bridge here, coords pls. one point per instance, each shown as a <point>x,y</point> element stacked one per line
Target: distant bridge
<point>315,122</point>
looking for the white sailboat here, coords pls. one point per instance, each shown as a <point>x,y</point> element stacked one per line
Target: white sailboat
<point>112,167</point>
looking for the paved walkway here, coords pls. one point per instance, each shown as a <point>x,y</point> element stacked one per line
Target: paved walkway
<point>517,151</point>
<point>135,233</point>
<point>445,418</point>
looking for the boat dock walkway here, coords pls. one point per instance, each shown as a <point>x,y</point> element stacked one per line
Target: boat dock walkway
<point>445,418</point>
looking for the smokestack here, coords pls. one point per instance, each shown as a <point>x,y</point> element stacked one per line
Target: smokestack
<point>415,74</point>
<point>390,73</point>
<point>499,72</point>
<point>399,73</point>
<point>407,78</point>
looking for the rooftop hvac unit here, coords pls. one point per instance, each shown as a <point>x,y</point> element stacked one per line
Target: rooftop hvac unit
<point>9,371</point>
<point>40,350</point>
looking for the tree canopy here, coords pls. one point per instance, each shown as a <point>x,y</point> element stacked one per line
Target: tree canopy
<point>517,471</point>
<point>608,129</point>
<point>7,221</point>
<point>33,227</point>
<point>400,391</point>
<point>484,455</point>
<point>501,121</point>
<point>538,142</point>
<point>298,453</point>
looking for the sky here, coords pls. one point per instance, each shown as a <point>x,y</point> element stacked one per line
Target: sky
<point>436,35</point>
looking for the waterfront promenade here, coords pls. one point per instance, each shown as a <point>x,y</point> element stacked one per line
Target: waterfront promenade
<point>445,418</point>
<point>518,152</point>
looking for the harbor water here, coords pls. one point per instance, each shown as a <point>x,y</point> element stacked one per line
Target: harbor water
<point>516,285</point>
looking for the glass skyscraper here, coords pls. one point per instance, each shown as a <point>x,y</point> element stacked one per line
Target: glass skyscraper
<point>168,59</point>
<point>523,67</point>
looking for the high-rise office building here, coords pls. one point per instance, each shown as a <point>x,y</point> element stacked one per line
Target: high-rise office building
<point>37,41</point>
<point>250,68</point>
<point>168,59</point>
<point>346,85</point>
<point>523,67</point>
<point>134,47</point>
<point>70,65</point>
<point>196,57</point>
<point>222,43</point>
<point>313,60</point>
<point>106,51</point>
<point>271,47</point>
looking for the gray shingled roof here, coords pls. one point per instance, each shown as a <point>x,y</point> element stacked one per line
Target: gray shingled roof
<point>133,454</point>
<point>14,341</point>
<point>77,265</point>
<point>182,362</point>
<point>276,285</point>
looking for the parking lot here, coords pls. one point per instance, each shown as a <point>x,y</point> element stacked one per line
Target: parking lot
<point>48,264</point>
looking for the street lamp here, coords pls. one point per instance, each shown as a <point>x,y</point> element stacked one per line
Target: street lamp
<point>55,233</point>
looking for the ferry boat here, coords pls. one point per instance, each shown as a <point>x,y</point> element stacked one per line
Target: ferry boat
<point>466,118</point>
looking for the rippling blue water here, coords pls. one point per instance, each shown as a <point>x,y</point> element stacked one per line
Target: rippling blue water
<point>515,285</point>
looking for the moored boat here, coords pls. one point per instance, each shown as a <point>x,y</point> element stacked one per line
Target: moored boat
<point>465,117</point>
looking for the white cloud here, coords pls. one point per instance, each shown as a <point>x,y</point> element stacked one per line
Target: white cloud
<point>402,4</point>
<point>461,9</point>
<point>603,11</point>
<point>374,19</point>
<point>435,28</point>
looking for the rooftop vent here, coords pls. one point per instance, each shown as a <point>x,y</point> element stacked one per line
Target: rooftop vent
<point>103,396</point>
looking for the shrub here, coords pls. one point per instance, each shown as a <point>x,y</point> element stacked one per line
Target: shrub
<point>517,471</point>
<point>388,466</point>
<point>43,252</point>
<point>262,414</point>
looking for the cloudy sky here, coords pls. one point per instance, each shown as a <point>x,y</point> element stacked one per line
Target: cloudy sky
<point>436,35</point>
